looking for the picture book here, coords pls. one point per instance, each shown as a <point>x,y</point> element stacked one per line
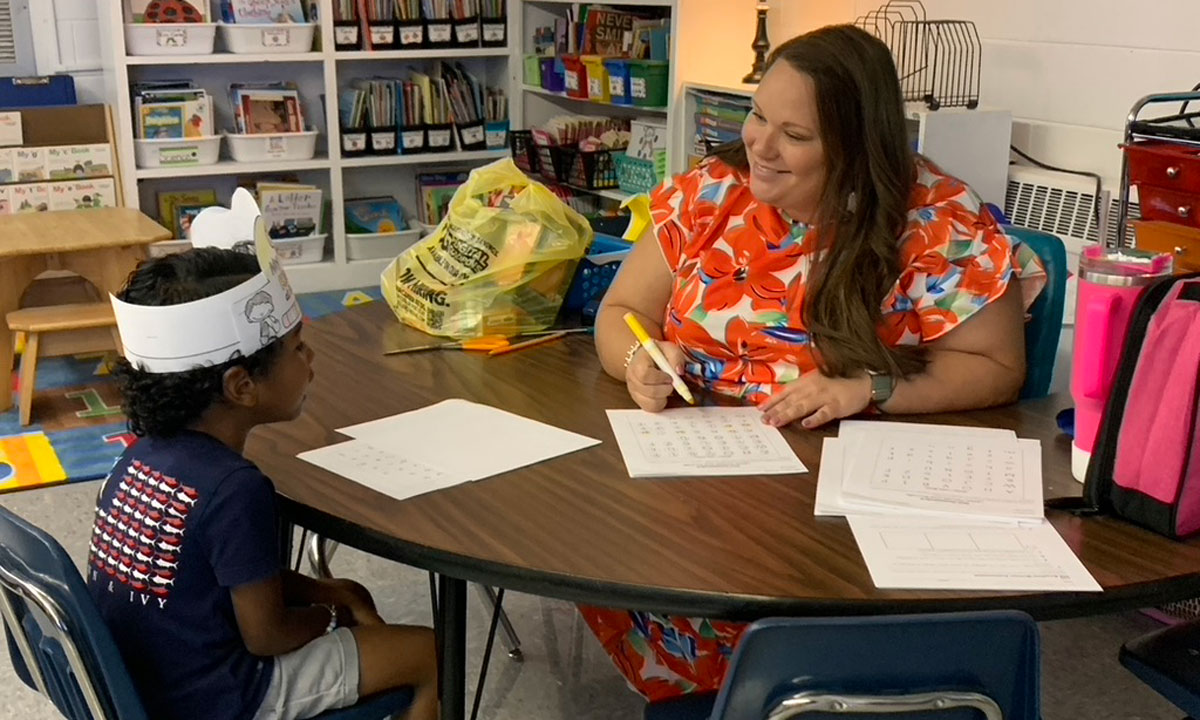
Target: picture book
<point>167,11</point>
<point>78,161</point>
<point>268,108</point>
<point>607,32</point>
<point>374,215</point>
<point>434,191</point>
<point>168,201</point>
<point>10,129</point>
<point>262,11</point>
<point>8,165</point>
<point>83,194</point>
<point>34,197</point>
<point>291,211</point>
<point>30,164</point>
<point>6,205</point>
<point>184,214</point>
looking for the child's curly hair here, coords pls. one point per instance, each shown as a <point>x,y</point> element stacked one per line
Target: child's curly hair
<point>163,404</point>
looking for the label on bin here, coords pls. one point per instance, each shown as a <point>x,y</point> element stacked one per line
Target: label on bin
<point>472,134</point>
<point>468,32</point>
<point>637,87</point>
<point>276,37</point>
<point>181,155</point>
<point>595,87</point>
<point>345,34</point>
<point>493,32</point>
<point>171,37</point>
<point>276,146</point>
<point>412,139</point>
<point>439,138</point>
<point>412,35</point>
<point>616,86</point>
<point>439,33</point>
<point>497,138</point>
<point>382,141</point>
<point>572,80</point>
<point>353,142</point>
<point>383,34</point>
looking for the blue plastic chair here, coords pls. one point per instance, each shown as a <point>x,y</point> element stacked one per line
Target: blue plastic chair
<point>1044,328</point>
<point>61,647</point>
<point>1168,660</point>
<point>979,665</point>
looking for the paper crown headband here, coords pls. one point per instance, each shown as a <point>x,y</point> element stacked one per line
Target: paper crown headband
<point>219,328</point>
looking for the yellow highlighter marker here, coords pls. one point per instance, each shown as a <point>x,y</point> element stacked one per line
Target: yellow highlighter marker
<point>659,359</point>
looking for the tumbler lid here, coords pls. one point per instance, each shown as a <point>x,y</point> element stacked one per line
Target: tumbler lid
<point>1123,267</point>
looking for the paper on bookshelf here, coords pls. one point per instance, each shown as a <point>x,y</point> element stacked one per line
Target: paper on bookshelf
<point>31,197</point>
<point>468,440</point>
<point>10,129</point>
<point>924,553</point>
<point>701,441</point>
<point>83,194</point>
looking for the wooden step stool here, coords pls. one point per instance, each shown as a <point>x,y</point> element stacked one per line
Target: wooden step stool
<point>33,322</point>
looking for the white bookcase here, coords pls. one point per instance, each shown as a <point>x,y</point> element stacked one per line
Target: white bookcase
<point>320,75</point>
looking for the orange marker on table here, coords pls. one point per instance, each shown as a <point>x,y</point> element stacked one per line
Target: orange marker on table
<point>660,360</point>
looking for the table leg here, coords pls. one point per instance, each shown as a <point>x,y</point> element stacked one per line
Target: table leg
<point>16,273</point>
<point>452,646</point>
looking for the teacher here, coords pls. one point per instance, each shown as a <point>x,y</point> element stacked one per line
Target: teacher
<point>818,268</point>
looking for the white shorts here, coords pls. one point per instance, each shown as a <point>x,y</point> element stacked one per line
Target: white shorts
<point>322,675</point>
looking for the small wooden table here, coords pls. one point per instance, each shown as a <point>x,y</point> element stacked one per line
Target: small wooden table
<point>103,245</point>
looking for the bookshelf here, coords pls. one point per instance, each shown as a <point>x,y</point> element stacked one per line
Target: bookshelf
<point>320,75</point>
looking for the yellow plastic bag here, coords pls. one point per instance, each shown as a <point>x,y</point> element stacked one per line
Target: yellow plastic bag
<point>499,262</point>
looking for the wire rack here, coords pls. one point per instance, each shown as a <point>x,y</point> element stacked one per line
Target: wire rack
<point>938,61</point>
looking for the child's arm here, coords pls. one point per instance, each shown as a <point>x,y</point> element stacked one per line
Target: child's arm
<point>268,625</point>
<point>303,590</point>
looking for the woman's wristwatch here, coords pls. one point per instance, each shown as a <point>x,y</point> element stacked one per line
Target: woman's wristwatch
<point>882,386</point>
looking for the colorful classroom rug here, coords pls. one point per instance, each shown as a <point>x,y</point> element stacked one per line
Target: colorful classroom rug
<point>78,430</point>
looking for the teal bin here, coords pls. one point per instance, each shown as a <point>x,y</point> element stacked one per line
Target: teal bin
<point>618,81</point>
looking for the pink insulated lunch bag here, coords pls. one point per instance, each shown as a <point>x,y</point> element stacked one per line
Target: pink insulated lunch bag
<point>1146,462</point>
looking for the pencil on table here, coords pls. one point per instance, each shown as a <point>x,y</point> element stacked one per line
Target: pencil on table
<point>528,343</point>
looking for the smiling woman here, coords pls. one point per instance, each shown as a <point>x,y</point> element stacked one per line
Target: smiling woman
<point>817,268</point>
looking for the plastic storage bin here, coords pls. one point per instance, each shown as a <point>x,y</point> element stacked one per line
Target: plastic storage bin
<point>574,77</point>
<point>593,169</point>
<point>596,271</point>
<point>494,31</point>
<point>170,38</point>
<point>648,83</point>
<point>635,175</point>
<point>553,74</point>
<point>618,81</point>
<point>267,38</point>
<point>497,134</point>
<point>177,152</point>
<point>272,146</point>
<point>532,74</point>
<point>294,251</point>
<point>554,162</point>
<point>375,246</point>
<point>597,79</point>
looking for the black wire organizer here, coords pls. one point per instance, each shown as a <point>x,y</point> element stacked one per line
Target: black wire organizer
<point>938,61</point>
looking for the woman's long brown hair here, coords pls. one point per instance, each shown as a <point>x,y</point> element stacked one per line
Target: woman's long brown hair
<point>863,208</point>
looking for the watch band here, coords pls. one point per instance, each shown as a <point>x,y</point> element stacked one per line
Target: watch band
<point>882,386</point>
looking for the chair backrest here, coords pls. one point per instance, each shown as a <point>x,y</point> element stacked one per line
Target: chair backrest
<point>59,644</point>
<point>783,667</point>
<point>1044,328</point>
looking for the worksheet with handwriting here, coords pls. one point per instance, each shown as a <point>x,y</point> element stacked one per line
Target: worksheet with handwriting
<point>681,442</point>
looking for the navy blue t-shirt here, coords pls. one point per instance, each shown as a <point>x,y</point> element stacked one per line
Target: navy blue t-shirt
<point>179,522</point>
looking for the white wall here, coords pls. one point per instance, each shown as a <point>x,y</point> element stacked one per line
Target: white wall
<point>66,39</point>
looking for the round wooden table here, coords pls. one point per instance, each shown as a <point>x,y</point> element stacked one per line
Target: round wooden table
<point>578,528</point>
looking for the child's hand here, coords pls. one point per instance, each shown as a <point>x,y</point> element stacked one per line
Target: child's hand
<point>357,599</point>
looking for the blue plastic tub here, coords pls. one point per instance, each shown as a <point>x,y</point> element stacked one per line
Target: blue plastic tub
<point>596,271</point>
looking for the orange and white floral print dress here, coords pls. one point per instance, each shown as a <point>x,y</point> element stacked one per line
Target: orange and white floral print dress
<point>736,310</point>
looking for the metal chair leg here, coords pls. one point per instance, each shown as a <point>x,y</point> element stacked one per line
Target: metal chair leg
<point>320,552</point>
<point>494,603</point>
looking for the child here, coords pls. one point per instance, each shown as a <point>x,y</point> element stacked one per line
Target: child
<point>184,557</point>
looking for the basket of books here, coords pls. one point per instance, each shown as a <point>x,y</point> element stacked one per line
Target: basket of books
<point>292,214</point>
<point>593,169</point>
<point>169,27</point>
<point>524,152</point>
<point>554,162</point>
<point>268,123</point>
<point>261,147</point>
<point>173,125</point>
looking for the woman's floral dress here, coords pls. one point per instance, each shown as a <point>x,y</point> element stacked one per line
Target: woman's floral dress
<point>736,310</point>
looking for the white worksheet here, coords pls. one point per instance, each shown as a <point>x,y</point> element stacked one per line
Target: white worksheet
<point>379,469</point>
<point>923,553</point>
<point>468,440</point>
<point>701,441</point>
<point>975,476</point>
